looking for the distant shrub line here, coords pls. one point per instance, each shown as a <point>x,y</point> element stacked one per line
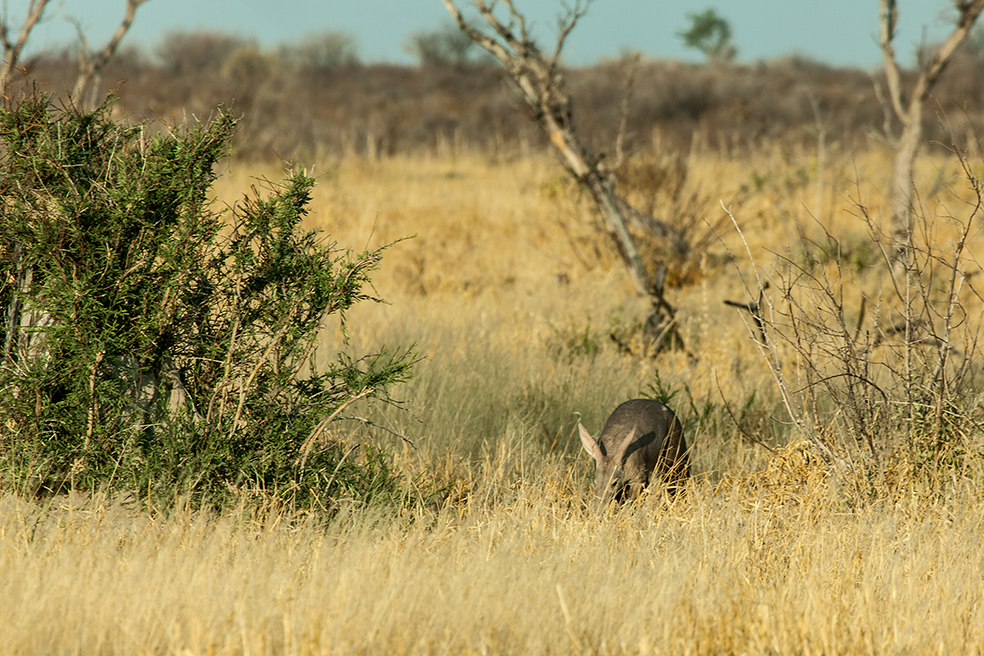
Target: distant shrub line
<point>315,101</point>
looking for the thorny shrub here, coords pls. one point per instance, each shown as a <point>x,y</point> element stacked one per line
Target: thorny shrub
<point>153,343</point>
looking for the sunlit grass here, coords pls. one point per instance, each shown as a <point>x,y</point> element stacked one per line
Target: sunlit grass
<point>719,570</point>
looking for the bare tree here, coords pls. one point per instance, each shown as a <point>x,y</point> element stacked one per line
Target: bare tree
<point>12,49</point>
<point>542,86</point>
<point>909,110</point>
<point>92,62</point>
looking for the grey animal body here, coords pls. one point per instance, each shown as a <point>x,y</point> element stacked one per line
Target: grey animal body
<point>641,438</point>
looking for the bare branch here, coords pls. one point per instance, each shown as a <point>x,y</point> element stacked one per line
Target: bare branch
<point>12,51</point>
<point>315,435</point>
<point>518,17</point>
<point>483,40</point>
<point>92,63</point>
<point>567,24</point>
<point>969,11</point>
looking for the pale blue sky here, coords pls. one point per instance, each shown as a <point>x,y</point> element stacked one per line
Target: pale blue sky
<point>840,32</point>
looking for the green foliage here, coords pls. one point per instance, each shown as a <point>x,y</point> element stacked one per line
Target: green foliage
<point>854,253</point>
<point>658,390</point>
<point>710,34</point>
<point>572,343</point>
<point>152,343</point>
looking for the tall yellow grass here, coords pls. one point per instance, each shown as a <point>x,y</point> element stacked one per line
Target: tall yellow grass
<point>509,290</point>
<point>719,571</point>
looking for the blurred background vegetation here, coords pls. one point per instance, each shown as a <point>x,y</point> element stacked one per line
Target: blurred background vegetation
<point>314,97</point>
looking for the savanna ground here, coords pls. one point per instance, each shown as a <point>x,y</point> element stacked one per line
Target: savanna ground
<point>511,293</point>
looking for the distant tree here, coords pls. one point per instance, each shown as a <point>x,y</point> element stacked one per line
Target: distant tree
<point>710,34</point>
<point>446,45</point>
<point>973,47</point>
<point>247,65</point>
<point>321,51</point>
<point>184,53</point>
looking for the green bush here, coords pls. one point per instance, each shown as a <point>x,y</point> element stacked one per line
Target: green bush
<point>153,343</point>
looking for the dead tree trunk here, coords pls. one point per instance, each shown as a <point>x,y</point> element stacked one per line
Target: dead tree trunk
<point>542,86</point>
<point>909,112</point>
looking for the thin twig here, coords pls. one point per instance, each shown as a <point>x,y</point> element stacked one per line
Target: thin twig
<point>319,429</point>
<point>771,354</point>
<point>741,429</point>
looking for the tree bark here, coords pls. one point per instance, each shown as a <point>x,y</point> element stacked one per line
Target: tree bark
<point>910,113</point>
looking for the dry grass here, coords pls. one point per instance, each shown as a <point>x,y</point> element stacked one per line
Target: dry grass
<point>510,295</point>
<point>720,571</point>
